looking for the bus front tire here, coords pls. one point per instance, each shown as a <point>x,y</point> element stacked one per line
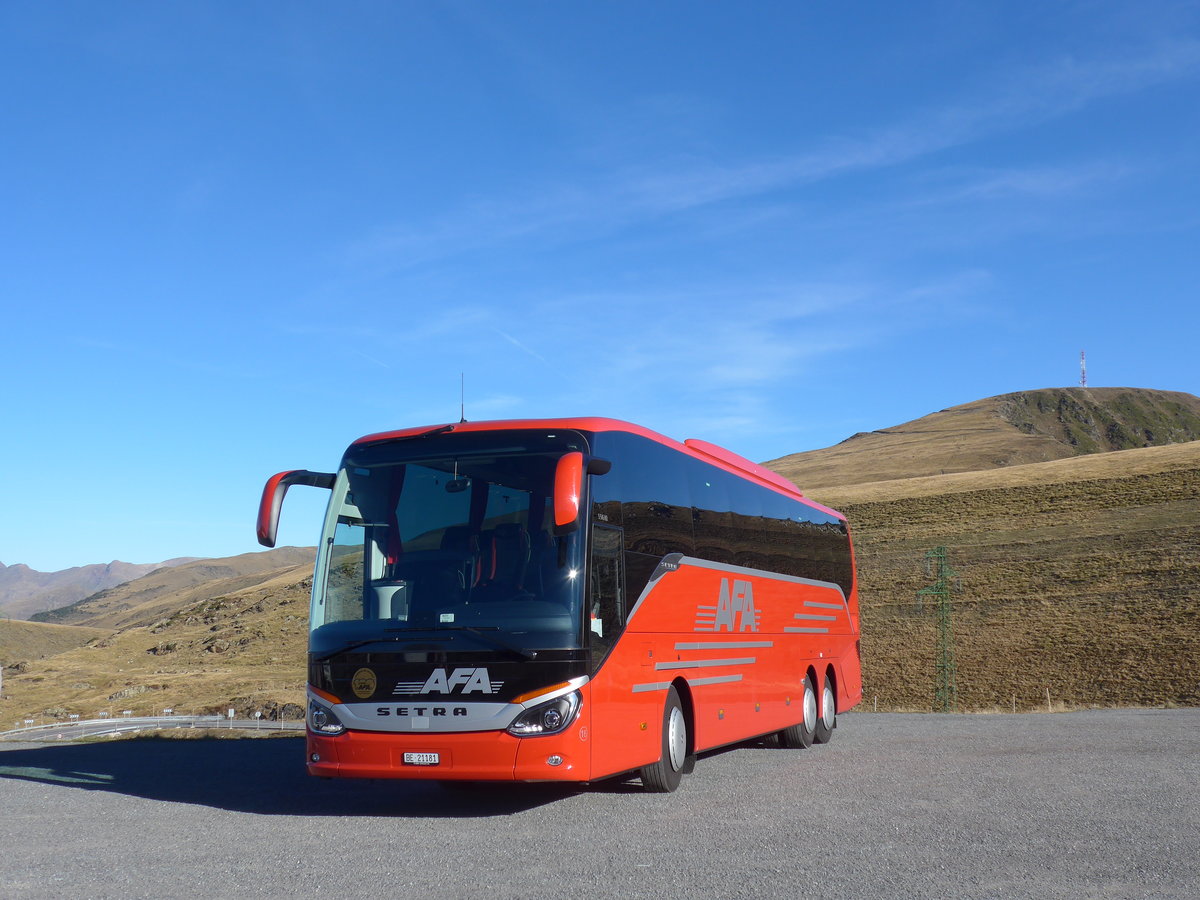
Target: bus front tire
<point>801,736</point>
<point>827,721</point>
<point>664,776</point>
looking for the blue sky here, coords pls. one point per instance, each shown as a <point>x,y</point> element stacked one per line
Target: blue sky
<point>235,236</point>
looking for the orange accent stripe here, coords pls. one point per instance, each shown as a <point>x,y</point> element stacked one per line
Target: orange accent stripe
<point>324,695</point>
<point>529,695</point>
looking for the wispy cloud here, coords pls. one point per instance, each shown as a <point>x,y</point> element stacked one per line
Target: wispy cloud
<point>371,359</point>
<point>958,185</point>
<point>588,206</point>
<point>724,363</point>
<point>519,345</point>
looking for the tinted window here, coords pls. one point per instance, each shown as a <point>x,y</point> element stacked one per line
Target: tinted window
<point>656,508</point>
<point>606,591</point>
<point>712,522</point>
<point>606,490</point>
<point>672,503</point>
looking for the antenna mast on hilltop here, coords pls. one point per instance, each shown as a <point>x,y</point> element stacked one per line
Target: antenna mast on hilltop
<point>1082,369</point>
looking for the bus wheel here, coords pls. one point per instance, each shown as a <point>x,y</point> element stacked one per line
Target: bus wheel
<point>827,721</point>
<point>800,736</point>
<point>664,776</point>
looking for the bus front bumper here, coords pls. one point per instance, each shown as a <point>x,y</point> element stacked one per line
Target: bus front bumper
<point>466,756</point>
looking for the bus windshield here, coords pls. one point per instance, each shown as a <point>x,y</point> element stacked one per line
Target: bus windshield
<point>449,533</point>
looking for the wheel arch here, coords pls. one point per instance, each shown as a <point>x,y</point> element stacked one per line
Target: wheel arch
<point>831,674</point>
<point>684,691</point>
<point>811,672</point>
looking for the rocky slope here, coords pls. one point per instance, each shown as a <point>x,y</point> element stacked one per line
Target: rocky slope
<point>213,646</point>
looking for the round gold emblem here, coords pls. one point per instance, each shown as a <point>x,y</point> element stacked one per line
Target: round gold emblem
<point>363,683</point>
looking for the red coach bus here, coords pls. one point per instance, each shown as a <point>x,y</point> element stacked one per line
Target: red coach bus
<point>566,600</point>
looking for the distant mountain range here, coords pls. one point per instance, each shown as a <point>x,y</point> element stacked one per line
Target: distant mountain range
<point>24,592</point>
<point>163,592</point>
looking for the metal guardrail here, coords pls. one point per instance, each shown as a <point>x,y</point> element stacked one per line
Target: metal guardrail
<point>110,726</point>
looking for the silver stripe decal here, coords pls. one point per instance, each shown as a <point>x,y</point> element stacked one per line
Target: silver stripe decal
<point>814,617</point>
<point>793,630</point>
<point>716,679</point>
<point>722,645</point>
<point>704,663</point>
<point>759,573</point>
<point>823,605</point>
<point>736,570</point>
<point>655,686</point>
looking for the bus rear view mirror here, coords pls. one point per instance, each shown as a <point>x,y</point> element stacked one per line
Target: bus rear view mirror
<point>568,488</point>
<point>272,499</point>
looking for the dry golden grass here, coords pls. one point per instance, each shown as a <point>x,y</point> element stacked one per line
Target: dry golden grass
<point>1096,468</point>
<point>1009,430</point>
<point>1080,575</point>
<point>244,649</point>
<point>147,599</point>
<point>23,641</point>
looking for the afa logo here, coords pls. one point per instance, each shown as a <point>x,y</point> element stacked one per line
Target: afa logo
<point>735,610</point>
<point>471,681</point>
<point>363,683</point>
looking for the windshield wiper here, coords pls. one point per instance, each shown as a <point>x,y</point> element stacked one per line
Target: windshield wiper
<point>354,645</point>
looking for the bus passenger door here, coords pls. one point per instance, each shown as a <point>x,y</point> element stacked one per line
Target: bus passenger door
<point>620,717</point>
<point>606,588</point>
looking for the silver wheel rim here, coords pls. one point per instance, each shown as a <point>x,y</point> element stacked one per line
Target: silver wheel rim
<point>677,739</point>
<point>810,707</point>
<point>828,706</point>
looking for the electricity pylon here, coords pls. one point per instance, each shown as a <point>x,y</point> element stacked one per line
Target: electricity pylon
<point>945,583</point>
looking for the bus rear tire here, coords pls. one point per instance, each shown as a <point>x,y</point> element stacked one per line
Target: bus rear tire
<point>802,735</point>
<point>827,720</point>
<point>664,776</point>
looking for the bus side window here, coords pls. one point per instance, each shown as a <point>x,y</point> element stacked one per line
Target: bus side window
<point>606,603</point>
<point>712,520</point>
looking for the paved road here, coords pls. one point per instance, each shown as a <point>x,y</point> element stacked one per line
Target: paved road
<point>1087,804</point>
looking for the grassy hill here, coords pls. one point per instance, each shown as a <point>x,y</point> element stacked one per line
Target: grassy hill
<point>23,641</point>
<point>237,645</point>
<point>162,592</point>
<point>1012,429</point>
<point>1081,576</point>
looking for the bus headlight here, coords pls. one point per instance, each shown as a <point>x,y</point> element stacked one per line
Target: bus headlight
<point>550,717</point>
<point>322,720</point>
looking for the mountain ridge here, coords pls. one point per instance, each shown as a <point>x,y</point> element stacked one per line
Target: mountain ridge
<point>996,432</point>
<point>25,591</point>
<point>143,600</point>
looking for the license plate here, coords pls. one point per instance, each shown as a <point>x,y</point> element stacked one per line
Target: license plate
<point>421,759</point>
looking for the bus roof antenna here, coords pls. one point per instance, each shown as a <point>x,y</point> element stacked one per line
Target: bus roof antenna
<point>462,397</point>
